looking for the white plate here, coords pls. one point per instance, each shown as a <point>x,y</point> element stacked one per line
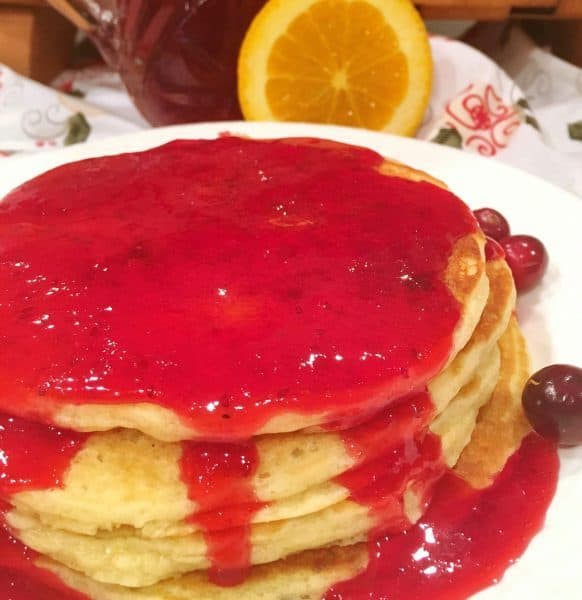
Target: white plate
<point>550,315</point>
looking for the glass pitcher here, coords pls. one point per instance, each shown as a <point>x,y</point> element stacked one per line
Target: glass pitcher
<point>177,57</point>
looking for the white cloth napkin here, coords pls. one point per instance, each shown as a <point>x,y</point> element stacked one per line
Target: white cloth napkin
<point>525,111</point>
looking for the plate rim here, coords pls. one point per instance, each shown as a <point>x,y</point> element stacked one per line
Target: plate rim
<point>570,481</point>
<point>188,131</point>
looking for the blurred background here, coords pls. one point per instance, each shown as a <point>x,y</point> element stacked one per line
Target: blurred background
<point>505,78</point>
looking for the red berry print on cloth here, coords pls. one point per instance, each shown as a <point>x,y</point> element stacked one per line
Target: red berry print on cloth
<point>480,118</point>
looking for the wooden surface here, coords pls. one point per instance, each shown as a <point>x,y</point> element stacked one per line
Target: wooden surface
<point>34,40</point>
<point>563,37</point>
<point>37,42</point>
<point>23,2</point>
<point>494,10</point>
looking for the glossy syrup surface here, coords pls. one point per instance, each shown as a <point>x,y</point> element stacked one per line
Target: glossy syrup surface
<point>34,456</point>
<point>393,425</point>
<point>382,483</point>
<point>219,479</point>
<point>467,539</point>
<point>229,280</point>
<point>20,579</point>
<point>393,450</point>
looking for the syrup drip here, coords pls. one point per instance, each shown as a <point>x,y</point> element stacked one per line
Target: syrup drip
<point>34,456</point>
<point>392,450</point>
<point>391,426</point>
<point>219,477</point>
<point>467,538</point>
<point>381,483</point>
<point>221,281</point>
<point>21,579</point>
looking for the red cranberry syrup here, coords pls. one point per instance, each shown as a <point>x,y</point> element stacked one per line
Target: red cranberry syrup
<point>219,479</point>
<point>392,450</point>
<point>32,457</point>
<point>178,59</point>
<point>21,579</point>
<point>222,279</point>
<point>393,425</point>
<point>467,538</point>
<point>381,483</point>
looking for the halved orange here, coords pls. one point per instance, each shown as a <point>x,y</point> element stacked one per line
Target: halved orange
<point>365,63</point>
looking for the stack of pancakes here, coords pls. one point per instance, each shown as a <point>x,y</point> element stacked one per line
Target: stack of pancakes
<point>310,488</point>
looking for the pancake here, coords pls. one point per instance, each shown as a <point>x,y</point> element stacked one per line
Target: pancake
<point>295,471</point>
<point>493,322</point>
<point>144,490</point>
<point>308,574</point>
<point>127,557</point>
<point>502,423</point>
<point>170,320</point>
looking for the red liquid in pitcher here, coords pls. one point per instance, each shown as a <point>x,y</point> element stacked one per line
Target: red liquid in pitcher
<point>178,59</point>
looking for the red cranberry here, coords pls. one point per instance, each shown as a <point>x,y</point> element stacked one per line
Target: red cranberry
<point>493,223</point>
<point>527,258</point>
<point>552,400</point>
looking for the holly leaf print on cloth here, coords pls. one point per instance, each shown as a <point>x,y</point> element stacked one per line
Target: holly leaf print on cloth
<point>75,93</point>
<point>526,111</point>
<point>575,130</point>
<point>78,129</point>
<point>68,87</point>
<point>448,136</point>
<point>532,121</point>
